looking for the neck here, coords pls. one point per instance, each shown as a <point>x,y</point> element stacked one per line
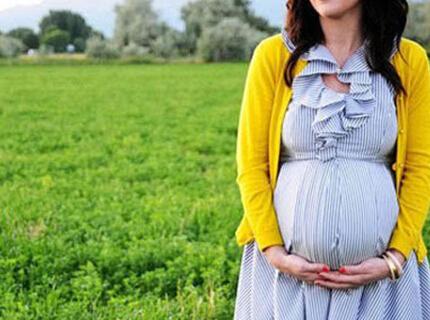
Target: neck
<point>343,35</point>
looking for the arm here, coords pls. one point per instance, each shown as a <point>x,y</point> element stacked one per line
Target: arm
<point>252,148</point>
<point>414,198</point>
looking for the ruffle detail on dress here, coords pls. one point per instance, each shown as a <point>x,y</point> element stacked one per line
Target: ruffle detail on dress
<point>338,113</point>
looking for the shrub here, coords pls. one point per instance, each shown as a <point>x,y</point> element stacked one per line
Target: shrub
<point>134,50</point>
<point>230,39</point>
<point>10,47</point>
<point>98,48</point>
<point>166,44</point>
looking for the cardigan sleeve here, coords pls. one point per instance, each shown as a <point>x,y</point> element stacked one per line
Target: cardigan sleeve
<point>414,197</point>
<point>252,148</point>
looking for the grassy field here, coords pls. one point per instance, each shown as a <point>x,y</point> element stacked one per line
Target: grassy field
<point>117,191</point>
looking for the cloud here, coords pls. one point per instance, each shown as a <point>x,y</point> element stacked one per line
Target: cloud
<point>7,4</point>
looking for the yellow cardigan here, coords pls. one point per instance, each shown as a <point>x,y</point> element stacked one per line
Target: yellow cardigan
<point>264,103</point>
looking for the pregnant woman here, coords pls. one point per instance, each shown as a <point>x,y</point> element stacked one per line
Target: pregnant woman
<point>334,167</point>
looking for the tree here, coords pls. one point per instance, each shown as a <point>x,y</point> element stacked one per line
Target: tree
<point>71,23</point>
<point>136,22</point>
<point>56,38</point>
<point>138,29</point>
<point>201,14</point>
<point>230,39</point>
<point>28,37</point>
<point>167,45</point>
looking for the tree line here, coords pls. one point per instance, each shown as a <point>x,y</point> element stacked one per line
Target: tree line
<point>215,30</point>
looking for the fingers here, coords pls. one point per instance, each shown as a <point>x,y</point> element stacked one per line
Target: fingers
<point>354,269</point>
<point>315,267</point>
<point>335,285</point>
<point>346,279</point>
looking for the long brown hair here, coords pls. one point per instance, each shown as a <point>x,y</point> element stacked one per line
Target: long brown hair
<point>383,24</point>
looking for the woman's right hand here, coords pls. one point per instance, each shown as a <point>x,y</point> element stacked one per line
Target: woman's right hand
<point>294,265</point>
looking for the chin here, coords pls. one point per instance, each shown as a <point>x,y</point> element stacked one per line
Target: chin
<point>334,9</point>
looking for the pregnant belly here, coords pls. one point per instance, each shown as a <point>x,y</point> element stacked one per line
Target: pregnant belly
<point>337,212</point>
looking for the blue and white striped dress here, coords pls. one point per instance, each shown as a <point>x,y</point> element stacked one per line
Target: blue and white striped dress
<point>335,200</point>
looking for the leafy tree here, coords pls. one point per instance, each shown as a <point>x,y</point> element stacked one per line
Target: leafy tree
<point>71,23</point>
<point>56,38</point>
<point>138,29</point>
<point>252,19</point>
<point>136,22</point>
<point>230,39</point>
<point>201,14</point>
<point>28,37</point>
<point>167,45</point>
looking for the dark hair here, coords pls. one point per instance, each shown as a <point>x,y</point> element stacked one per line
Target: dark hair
<point>383,24</point>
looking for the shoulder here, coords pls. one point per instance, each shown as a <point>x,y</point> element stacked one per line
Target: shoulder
<point>412,47</point>
<point>414,54</point>
<point>272,52</point>
<point>272,43</point>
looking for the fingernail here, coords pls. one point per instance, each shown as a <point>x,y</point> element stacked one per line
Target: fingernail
<point>326,269</point>
<point>342,269</point>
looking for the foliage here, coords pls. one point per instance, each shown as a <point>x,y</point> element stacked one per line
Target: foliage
<point>230,39</point>
<point>136,22</point>
<point>134,50</point>
<point>418,24</point>
<point>200,15</point>
<point>167,44</point>
<point>56,38</point>
<point>10,47</point>
<point>28,37</point>
<point>101,49</point>
<point>72,23</point>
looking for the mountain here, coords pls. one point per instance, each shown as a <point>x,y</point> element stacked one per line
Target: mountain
<point>100,13</point>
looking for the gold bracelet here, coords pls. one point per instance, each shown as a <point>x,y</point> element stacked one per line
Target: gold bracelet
<point>392,267</point>
<point>397,263</point>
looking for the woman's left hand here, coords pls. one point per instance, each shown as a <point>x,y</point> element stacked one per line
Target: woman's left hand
<point>369,270</point>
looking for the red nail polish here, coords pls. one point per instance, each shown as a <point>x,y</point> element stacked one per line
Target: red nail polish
<point>342,270</point>
<point>326,269</point>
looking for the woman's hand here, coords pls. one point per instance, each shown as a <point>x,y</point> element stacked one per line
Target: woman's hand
<point>294,265</point>
<point>352,276</point>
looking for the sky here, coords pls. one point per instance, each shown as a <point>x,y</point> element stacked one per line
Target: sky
<point>100,13</point>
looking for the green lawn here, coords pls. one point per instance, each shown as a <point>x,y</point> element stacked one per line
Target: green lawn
<point>117,193</point>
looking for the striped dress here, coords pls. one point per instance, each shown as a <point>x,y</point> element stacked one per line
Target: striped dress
<point>335,200</point>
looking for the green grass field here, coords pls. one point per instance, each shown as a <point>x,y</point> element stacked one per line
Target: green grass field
<point>117,192</point>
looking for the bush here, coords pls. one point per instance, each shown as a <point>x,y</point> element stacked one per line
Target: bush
<point>98,48</point>
<point>134,50</point>
<point>45,50</point>
<point>230,39</point>
<point>79,44</point>
<point>56,38</point>
<point>166,45</point>
<point>10,47</point>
